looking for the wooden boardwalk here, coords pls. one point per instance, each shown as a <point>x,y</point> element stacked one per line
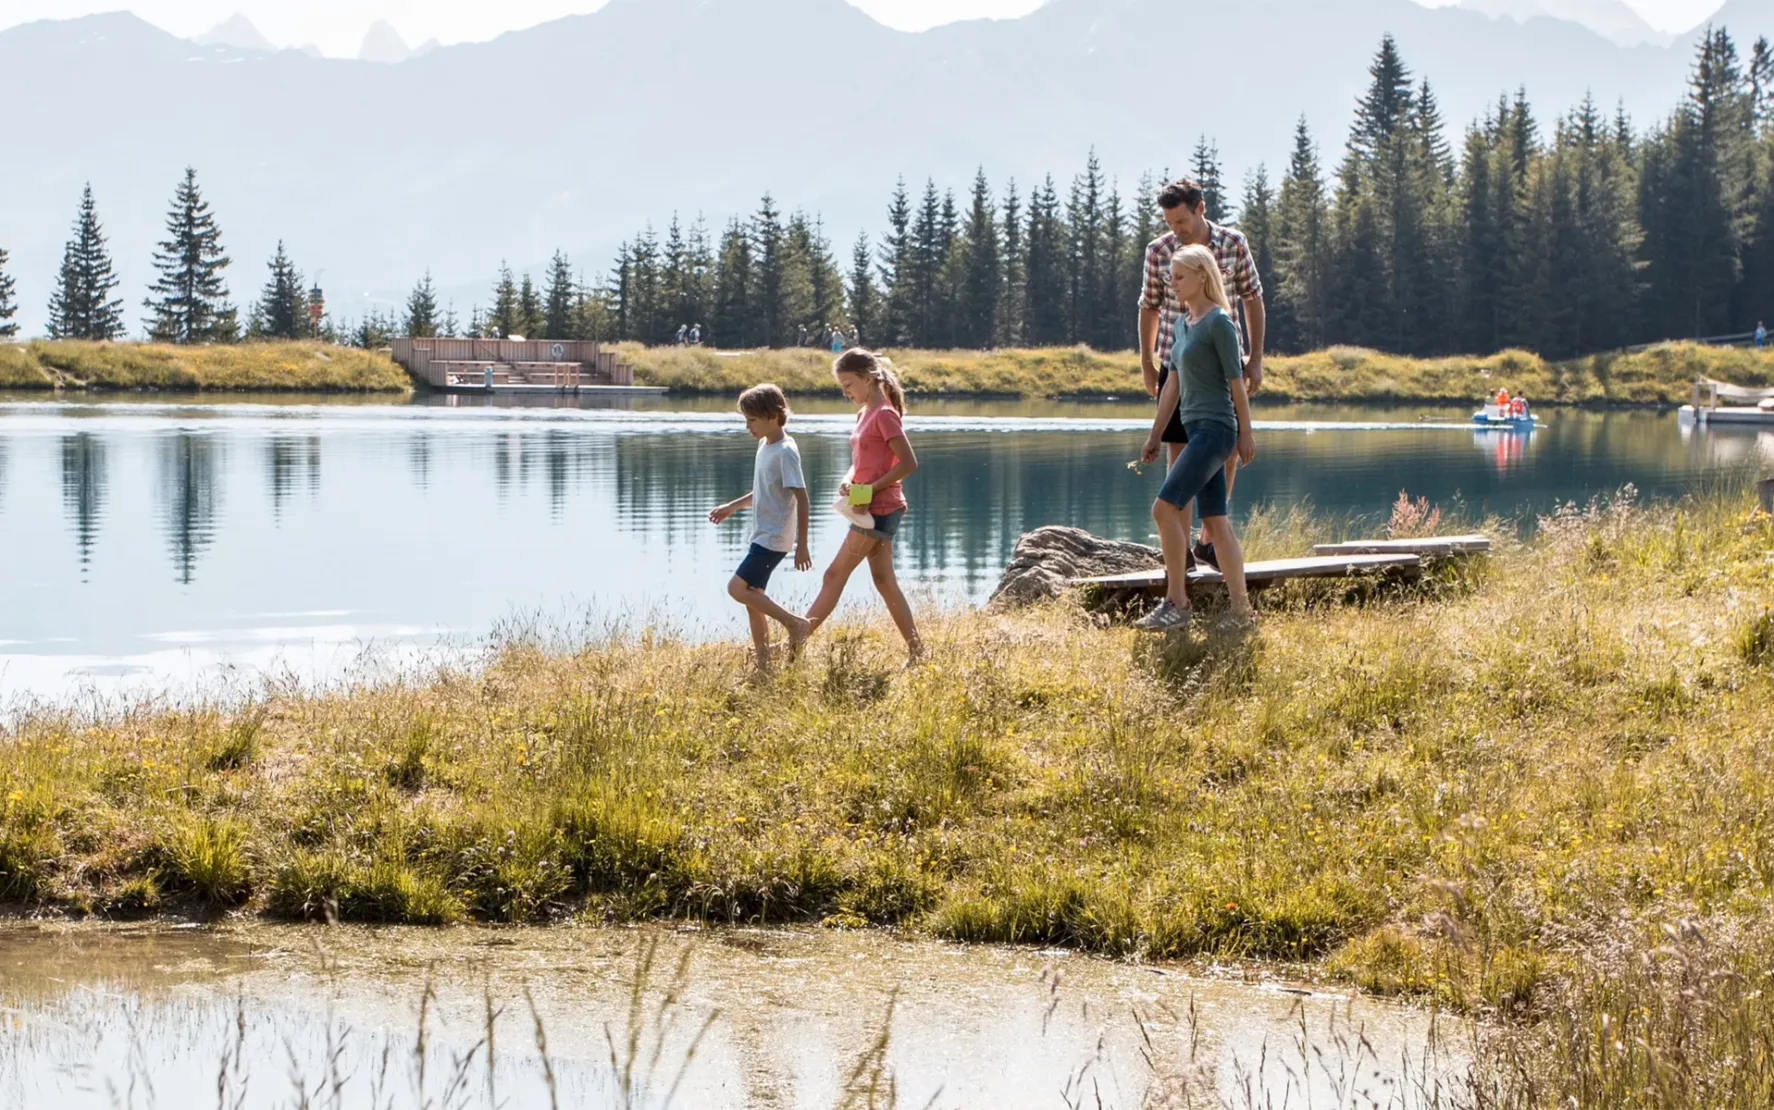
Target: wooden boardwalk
<point>570,366</point>
<point>1359,559</point>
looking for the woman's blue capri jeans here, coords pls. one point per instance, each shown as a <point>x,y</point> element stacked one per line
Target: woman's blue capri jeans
<point>1200,471</point>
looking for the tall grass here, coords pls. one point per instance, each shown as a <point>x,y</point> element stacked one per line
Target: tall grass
<point>257,367</point>
<point>1662,375</point>
<point>1481,791</point>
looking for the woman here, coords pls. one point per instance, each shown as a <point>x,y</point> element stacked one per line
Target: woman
<point>1206,390</point>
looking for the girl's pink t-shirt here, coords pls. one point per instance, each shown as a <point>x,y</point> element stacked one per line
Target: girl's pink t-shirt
<point>871,457</point>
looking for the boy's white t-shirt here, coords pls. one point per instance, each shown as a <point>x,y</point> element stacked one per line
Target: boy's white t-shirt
<point>777,471</point>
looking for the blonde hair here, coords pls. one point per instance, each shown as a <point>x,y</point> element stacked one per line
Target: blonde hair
<point>1200,258</point>
<point>865,363</point>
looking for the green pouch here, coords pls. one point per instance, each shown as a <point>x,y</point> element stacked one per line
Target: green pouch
<point>861,495</point>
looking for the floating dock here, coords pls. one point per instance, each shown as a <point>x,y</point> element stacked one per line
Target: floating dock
<point>573,367</point>
<point>1360,559</point>
<point>1752,406</point>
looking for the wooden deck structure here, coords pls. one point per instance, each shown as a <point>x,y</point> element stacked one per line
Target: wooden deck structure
<point>1360,559</point>
<point>571,366</point>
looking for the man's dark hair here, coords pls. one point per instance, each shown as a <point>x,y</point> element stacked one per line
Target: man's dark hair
<point>1184,192</point>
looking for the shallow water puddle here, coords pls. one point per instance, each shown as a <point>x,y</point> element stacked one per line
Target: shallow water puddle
<point>261,1016</point>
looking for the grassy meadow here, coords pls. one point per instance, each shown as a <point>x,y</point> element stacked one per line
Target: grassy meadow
<point>245,367</point>
<point>1662,375</point>
<point>1541,790</point>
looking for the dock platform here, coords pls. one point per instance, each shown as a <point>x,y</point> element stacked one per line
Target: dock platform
<point>1399,559</point>
<point>518,366</point>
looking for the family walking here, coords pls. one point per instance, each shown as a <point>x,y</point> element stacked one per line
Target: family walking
<point>1201,356</point>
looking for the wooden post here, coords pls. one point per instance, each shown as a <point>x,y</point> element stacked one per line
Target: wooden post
<point>1766,488</point>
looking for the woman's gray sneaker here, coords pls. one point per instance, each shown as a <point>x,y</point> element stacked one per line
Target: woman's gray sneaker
<point>1166,618</point>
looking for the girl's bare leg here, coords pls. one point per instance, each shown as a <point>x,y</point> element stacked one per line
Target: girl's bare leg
<point>1225,544</point>
<point>1173,537</point>
<point>887,583</point>
<point>853,554</point>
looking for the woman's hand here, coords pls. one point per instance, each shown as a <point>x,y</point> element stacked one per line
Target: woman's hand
<point>1149,453</point>
<point>1247,447</point>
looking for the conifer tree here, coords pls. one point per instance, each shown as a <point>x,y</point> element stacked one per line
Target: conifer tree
<point>735,322</point>
<point>1046,322</point>
<point>81,307</point>
<point>865,298</point>
<point>189,301</point>
<point>529,309</point>
<point>982,285</point>
<point>562,295</point>
<point>422,319</point>
<point>282,311</point>
<point>1204,167</point>
<point>8,305</point>
<point>1297,288</point>
<point>505,318</point>
<point>896,271</point>
<point>1014,287</point>
<point>1084,251</point>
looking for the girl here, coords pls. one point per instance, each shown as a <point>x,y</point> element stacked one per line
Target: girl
<point>881,458</point>
<point>1206,388</point>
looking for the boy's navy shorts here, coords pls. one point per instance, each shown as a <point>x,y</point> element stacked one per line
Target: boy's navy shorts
<point>758,565</point>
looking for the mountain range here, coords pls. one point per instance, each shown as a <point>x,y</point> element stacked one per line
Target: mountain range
<point>575,133</point>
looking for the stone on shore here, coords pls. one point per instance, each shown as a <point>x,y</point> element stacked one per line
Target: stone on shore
<point>1047,560</point>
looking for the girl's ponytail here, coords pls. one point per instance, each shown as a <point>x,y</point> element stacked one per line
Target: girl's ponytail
<point>865,363</point>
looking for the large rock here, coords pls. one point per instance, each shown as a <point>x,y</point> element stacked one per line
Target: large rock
<point>1046,560</point>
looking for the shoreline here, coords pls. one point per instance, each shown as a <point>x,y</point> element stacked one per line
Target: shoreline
<point>1657,378</point>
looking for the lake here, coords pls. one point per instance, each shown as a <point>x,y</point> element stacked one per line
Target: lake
<point>272,1016</point>
<point>174,546</point>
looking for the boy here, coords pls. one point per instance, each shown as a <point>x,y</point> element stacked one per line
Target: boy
<point>778,489</point>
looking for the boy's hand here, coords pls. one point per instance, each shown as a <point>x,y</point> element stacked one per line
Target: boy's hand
<point>803,557</point>
<point>720,514</point>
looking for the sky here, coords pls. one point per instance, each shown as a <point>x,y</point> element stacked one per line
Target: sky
<point>337,26</point>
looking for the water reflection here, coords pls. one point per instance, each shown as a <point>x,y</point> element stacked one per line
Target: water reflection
<point>452,520</point>
<point>83,490</point>
<point>190,497</point>
<point>290,461</point>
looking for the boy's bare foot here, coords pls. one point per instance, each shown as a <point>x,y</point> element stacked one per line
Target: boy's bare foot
<point>798,631</point>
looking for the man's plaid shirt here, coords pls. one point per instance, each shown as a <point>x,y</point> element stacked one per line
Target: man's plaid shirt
<point>1238,270</point>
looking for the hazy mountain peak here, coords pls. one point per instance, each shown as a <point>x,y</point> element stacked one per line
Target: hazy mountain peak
<point>236,31</point>
<point>382,43</point>
<point>1611,19</point>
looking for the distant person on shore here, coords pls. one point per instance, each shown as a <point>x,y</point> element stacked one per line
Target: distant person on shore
<point>881,459</point>
<point>780,518</point>
<point>801,341</point>
<point>695,335</point>
<point>683,333</point>
<point>1183,204</point>
<point>1761,334</point>
<point>1205,389</point>
<point>837,342</point>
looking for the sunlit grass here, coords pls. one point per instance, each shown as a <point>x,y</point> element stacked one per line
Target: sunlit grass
<point>1498,791</point>
<point>257,367</point>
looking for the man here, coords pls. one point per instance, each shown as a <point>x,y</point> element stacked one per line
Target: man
<point>1184,205</point>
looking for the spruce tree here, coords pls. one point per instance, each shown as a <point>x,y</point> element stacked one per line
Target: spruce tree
<point>504,319</point>
<point>735,321</point>
<point>896,271</point>
<point>282,311</point>
<point>1014,296</point>
<point>1046,282</point>
<point>8,306</point>
<point>422,320</point>
<point>189,301</point>
<point>768,275</point>
<point>529,309</point>
<point>925,269</point>
<point>558,302</point>
<point>1298,288</point>
<point>81,307</point>
<point>1084,252</point>
<point>865,298</point>
<point>1204,167</point>
<point>982,285</point>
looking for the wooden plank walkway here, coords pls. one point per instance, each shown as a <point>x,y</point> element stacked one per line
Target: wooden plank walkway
<point>1434,546</point>
<point>1265,572</point>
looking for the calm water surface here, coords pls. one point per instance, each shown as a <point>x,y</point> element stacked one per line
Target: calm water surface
<point>159,1017</point>
<point>166,544</point>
